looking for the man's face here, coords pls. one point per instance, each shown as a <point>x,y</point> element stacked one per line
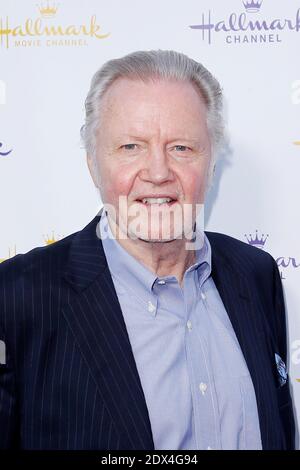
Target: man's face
<point>152,142</point>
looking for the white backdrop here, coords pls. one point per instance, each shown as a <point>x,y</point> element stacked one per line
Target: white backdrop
<point>252,47</point>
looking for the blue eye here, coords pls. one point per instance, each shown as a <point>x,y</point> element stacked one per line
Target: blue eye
<point>181,148</point>
<point>129,146</point>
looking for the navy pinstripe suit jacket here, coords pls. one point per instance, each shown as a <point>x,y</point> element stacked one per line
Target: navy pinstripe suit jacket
<point>70,380</point>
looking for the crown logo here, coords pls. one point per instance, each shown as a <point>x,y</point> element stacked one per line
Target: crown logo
<point>48,11</point>
<point>11,254</point>
<point>258,242</point>
<point>50,240</point>
<point>252,6</point>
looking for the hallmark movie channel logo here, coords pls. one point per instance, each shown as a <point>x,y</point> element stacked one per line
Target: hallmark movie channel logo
<point>248,26</point>
<point>43,29</point>
<point>11,253</point>
<point>48,240</point>
<point>283,262</point>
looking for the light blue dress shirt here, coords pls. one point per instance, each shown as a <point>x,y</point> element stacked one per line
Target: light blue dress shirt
<point>196,383</point>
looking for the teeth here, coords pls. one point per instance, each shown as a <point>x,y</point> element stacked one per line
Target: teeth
<point>154,200</point>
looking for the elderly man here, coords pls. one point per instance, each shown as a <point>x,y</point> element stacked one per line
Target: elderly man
<point>142,330</point>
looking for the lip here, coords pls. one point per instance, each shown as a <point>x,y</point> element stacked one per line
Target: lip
<point>170,196</point>
<point>164,204</point>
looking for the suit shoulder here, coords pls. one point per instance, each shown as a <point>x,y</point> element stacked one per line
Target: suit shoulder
<point>239,250</point>
<point>36,259</point>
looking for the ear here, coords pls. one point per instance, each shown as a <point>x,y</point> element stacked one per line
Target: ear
<point>93,168</point>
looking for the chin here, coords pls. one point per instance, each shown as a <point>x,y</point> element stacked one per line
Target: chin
<point>157,240</point>
<point>156,236</point>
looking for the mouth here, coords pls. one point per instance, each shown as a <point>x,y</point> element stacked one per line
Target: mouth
<point>157,201</point>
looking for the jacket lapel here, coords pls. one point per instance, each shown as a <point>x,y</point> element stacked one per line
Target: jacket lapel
<point>94,315</point>
<point>249,323</point>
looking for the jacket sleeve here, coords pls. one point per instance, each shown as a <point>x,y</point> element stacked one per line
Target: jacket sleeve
<point>8,415</point>
<point>284,397</point>
<point>7,402</point>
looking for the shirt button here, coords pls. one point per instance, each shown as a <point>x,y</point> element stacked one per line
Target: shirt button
<point>161,282</point>
<point>202,387</point>
<point>189,324</point>
<point>151,307</point>
<point>203,296</point>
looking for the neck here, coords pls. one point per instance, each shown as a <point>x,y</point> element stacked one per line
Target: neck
<point>170,258</point>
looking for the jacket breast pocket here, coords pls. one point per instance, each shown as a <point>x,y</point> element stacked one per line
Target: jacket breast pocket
<point>283,394</point>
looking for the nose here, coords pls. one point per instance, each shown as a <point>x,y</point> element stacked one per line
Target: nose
<point>157,167</point>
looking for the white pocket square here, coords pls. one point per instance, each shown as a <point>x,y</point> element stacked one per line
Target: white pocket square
<point>282,371</point>
<point>2,352</point>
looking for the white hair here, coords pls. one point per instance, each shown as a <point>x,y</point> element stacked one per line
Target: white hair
<point>153,64</point>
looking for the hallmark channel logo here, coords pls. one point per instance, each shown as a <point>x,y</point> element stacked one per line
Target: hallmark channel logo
<point>4,153</point>
<point>44,30</point>
<point>245,27</point>
<point>283,262</point>
<point>253,6</point>
<point>258,242</point>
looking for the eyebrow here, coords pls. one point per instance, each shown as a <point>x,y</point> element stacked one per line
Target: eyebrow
<point>143,139</point>
<point>131,136</point>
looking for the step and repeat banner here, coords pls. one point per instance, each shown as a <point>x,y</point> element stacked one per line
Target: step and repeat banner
<point>48,54</point>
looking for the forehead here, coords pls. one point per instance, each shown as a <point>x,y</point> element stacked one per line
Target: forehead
<point>132,98</point>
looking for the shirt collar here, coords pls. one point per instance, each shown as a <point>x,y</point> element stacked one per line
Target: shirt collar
<point>131,272</point>
<point>125,267</point>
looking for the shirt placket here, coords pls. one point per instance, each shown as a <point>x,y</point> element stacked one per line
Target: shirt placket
<point>204,398</point>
